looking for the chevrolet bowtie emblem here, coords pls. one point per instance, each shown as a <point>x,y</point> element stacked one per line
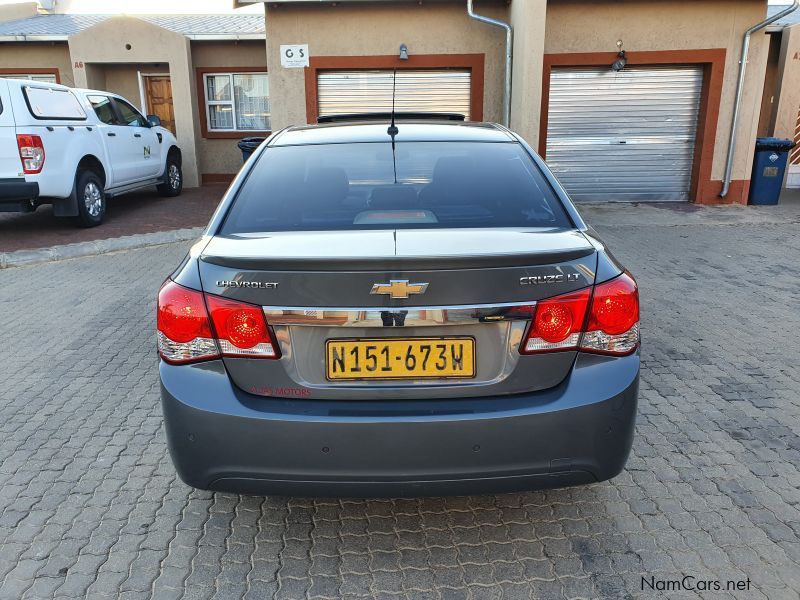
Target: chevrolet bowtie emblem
<point>399,288</point>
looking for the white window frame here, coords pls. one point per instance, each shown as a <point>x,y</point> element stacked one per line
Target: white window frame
<point>38,77</point>
<point>231,102</point>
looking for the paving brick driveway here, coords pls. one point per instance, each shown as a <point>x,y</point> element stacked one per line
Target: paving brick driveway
<point>89,503</point>
<point>129,214</point>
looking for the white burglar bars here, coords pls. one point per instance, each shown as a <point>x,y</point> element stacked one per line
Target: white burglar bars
<point>420,91</point>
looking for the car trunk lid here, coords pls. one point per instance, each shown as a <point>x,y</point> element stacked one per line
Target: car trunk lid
<point>476,284</point>
<point>338,269</point>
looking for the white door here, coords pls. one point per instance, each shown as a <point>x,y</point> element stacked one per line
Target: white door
<point>10,163</point>
<point>116,142</point>
<point>145,149</point>
<point>627,136</point>
<point>419,91</point>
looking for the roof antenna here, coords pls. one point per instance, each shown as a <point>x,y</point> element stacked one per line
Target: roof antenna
<point>393,130</point>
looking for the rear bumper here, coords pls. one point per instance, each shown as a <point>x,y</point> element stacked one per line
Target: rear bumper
<point>16,195</point>
<point>222,438</point>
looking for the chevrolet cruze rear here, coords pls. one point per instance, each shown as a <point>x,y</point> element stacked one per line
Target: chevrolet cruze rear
<point>423,313</point>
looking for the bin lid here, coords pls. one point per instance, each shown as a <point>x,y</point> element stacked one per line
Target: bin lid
<point>773,143</point>
<point>250,143</point>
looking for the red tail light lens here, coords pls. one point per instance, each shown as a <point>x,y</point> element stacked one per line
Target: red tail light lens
<point>31,153</point>
<point>610,312</point>
<point>184,330</point>
<point>613,326</point>
<point>615,306</point>
<point>557,323</point>
<point>241,328</point>
<point>189,332</point>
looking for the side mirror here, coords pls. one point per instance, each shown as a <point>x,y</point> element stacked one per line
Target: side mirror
<point>153,121</point>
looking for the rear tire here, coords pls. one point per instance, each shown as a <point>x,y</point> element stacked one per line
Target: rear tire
<point>91,199</point>
<point>173,177</point>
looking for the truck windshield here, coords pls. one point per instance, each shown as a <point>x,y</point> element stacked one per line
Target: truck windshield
<point>419,185</point>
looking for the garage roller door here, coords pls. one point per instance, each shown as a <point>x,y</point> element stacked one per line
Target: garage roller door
<point>351,92</point>
<point>627,136</point>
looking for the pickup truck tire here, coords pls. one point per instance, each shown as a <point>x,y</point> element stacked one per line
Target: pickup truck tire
<point>91,199</point>
<point>173,177</point>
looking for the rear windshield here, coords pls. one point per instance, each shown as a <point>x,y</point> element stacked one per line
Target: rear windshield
<point>51,103</point>
<point>420,185</point>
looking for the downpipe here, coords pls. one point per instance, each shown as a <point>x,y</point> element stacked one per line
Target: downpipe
<point>509,57</point>
<point>726,184</point>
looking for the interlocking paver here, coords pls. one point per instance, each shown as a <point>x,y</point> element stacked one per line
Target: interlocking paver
<point>90,505</point>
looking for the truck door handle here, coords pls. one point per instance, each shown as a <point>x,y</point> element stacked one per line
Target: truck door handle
<point>137,135</point>
<point>111,134</point>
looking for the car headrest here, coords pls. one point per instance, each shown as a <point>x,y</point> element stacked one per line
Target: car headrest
<point>449,170</point>
<point>454,182</point>
<point>327,186</point>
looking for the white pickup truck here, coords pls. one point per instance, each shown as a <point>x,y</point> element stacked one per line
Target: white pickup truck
<point>73,148</point>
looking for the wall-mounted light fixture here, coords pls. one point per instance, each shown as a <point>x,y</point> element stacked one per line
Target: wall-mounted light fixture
<point>403,52</point>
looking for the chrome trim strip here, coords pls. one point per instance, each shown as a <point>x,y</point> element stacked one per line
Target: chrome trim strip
<point>399,316</point>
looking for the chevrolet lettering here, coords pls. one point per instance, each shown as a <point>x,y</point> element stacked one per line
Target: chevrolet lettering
<point>260,285</point>
<point>446,323</point>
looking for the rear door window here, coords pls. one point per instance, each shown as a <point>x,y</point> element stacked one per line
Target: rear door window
<point>53,103</point>
<point>418,185</point>
<point>104,109</point>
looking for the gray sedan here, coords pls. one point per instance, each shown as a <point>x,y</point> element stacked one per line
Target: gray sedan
<point>398,311</point>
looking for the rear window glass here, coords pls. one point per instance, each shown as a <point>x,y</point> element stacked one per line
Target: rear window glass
<point>50,103</point>
<point>103,109</point>
<point>420,185</point>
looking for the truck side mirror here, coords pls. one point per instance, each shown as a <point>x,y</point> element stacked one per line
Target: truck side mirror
<point>153,121</point>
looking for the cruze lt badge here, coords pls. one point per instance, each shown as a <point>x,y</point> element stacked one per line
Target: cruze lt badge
<point>399,288</point>
<point>259,285</point>
<point>540,279</point>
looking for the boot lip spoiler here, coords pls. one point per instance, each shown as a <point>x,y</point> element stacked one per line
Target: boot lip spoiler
<point>398,263</point>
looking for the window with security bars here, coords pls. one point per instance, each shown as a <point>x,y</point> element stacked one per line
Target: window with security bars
<point>237,101</point>
<point>45,78</point>
<point>408,90</point>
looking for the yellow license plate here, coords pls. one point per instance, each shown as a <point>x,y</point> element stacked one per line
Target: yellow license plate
<point>396,358</point>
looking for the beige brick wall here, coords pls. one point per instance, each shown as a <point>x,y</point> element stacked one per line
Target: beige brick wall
<point>221,156</point>
<point>21,57</point>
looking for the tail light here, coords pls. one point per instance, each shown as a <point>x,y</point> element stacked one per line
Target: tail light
<point>603,319</point>
<point>193,326</point>
<point>613,326</point>
<point>184,329</point>
<point>31,153</point>
<point>241,328</point>
<point>558,322</point>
